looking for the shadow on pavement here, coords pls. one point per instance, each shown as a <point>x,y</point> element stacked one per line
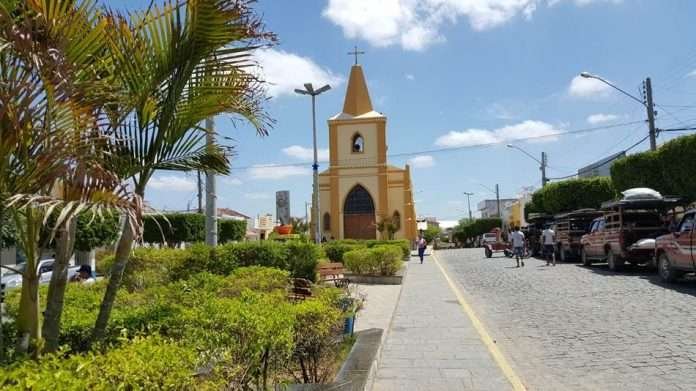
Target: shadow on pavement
<point>685,285</point>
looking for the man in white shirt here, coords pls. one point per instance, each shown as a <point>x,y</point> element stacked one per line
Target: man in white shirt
<point>517,240</point>
<point>548,238</point>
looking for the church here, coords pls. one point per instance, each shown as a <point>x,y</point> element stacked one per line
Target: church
<point>360,191</point>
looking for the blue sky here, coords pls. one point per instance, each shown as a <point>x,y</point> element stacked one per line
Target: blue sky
<point>456,73</point>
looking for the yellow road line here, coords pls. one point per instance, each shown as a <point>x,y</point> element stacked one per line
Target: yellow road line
<point>502,362</point>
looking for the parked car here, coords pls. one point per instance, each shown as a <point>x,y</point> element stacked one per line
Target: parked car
<point>674,252</point>
<point>626,232</point>
<point>44,271</point>
<point>569,228</point>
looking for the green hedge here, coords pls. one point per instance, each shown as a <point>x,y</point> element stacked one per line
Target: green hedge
<point>669,170</point>
<point>94,231</point>
<point>236,329</point>
<point>467,229</point>
<point>149,267</point>
<point>174,228</point>
<point>231,230</point>
<point>573,194</point>
<point>337,248</point>
<point>382,260</point>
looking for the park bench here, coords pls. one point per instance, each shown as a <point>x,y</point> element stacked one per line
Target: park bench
<point>300,289</point>
<point>334,272</point>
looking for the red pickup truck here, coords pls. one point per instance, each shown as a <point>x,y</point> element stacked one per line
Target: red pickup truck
<point>674,252</point>
<point>626,232</point>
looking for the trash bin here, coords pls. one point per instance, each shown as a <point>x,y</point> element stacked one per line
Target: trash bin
<point>349,325</point>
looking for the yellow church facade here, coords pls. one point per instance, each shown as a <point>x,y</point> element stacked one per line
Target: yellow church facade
<point>360,189</point>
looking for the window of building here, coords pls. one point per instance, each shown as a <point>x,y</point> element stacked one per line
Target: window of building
<point>358,145</point>
<point>327,222</point>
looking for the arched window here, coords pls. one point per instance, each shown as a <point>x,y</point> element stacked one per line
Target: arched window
<point>396,220</point>
<point>358,144</point>
<point>327,222</point>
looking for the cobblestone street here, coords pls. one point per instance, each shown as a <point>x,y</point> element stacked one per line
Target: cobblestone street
<point>574,328</point>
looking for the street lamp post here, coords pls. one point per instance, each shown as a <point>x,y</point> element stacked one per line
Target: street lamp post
<point>309,90</point>
<point>648,105</point>
<point>542,163</point>
<point>468,202</point>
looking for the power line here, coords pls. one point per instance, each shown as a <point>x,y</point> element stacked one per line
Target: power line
<point>451,149</point>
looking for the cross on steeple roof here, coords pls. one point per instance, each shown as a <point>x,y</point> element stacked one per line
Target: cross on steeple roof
<point>355,53</point>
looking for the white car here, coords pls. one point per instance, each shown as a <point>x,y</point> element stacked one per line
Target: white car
<point>44,271</point>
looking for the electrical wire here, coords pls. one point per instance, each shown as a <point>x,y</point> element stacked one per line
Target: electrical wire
<point>447,149</point>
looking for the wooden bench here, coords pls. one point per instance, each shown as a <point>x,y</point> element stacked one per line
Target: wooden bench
<point>300,289</point>
<point>334,272</point>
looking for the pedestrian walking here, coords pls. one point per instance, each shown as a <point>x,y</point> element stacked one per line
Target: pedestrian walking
<point>517,239</point>
<point>422,244</point>
<point>548,237</point>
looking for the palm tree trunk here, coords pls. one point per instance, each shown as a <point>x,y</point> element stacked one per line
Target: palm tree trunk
<point>123,249</point>
<point>29,319</point>
<point>56,290</point>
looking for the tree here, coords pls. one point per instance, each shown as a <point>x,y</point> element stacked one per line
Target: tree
<point>178,64</point>
<point>431,233</point>
<point>51,137</point>
<point>573,194</point>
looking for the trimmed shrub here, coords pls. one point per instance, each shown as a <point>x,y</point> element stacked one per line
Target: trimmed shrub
<point>144,363</point>
<point>174,228</point>
<point>303,258</point>
<point>404,244</point>
<point>336,249</point>
<point>231,230</point>
<point>94,231</point>
<point>382,260</point>
<point>255,278</point>
<point>149,267</point>
<point>572,194</point>
<point>262,253</point>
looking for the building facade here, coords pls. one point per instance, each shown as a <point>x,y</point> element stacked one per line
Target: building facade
<point>489,208</point>
<point>360,190</point>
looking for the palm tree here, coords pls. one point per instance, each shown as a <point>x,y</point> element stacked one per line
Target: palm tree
<point>179,64</point>
<point>50,141</point>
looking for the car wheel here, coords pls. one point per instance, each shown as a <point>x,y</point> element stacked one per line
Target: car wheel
<point>489,253</point>
<point>583,256</point>
<point>664,267</point>
<point>613,261</point>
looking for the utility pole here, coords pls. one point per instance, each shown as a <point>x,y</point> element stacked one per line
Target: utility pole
<point>200,192</point>
<point>497,198</point>
<point>211,234</point>
<point>651,114</point>
<point>544,179</point>
<point>468,203</point>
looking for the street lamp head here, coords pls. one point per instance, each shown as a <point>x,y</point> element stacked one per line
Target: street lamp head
<point>510,146</point>
<point>323,89</point>
<point>301,92</point>
<point>308,87</point>
<point>586,75</point>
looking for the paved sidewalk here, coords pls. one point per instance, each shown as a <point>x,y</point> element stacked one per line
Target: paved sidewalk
<point>378,307</point>
<point>432,344</point>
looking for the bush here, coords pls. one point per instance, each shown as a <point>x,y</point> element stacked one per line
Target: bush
<point>382,260</point>
<point>150,266</point>
<point>144,363</point>
<point>668,170</point>
<point>403,244</point>
<point>257,279</point>
<point>303,258</point>
<point>94,231</point>
<point>336,249</point>
<point>174,228</point>
<point>231,230</point>
<point>261,253</point>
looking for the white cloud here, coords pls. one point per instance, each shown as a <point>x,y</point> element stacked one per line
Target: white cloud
<point>691,74</point>
<point>410,76</point>
<point>583,3</point>
<point>172,183</point>
<point>277,172</point>
<point>600,118</point>
<point>581,87</point>
<point>306,154</point>
<point>232,181</point>
<point>257,196</point>
<point>527,129</point>
<point>422,161</point>
<point>416,24</point>
<point>286,71</point>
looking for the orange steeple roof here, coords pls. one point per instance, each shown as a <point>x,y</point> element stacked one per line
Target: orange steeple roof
<point>357,99</point>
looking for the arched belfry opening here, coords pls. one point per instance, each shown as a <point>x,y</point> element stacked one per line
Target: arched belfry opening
<point>358,143</point>
<point>359,215</point>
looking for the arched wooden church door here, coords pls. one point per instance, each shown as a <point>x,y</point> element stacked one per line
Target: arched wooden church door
<point>359,215</point>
